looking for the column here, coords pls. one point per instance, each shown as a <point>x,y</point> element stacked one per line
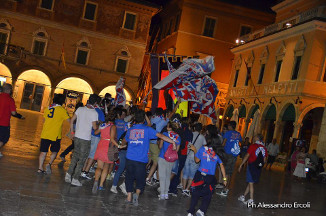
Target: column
<point>246,127</point>
<point>278,128</point>
<point>296,130</point>
<point>321,145</point>
<point>51,95</point>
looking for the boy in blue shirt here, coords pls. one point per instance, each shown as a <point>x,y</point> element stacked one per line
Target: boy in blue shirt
<point>204,181</point>
<point>231,143</point>
<point>138,137</point>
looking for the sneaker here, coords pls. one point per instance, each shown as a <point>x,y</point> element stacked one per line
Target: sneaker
<point>155,182</point>
<point>48,169</point>
<point>241,198</point>
<point>249,201</point>
<point>186,193</point>
<point>180,186</point>
<point>62,159</point>
<point>219,186</point>
<point>76,182</point>
<point>114,189</point>
<point>135,199</point>
<point>200,213</point>
<point>85,175</point>
<point>95,187</point>
<point>68,178</point>
<point>189,214</point>
<point>166,196</point>
<point>123,189</point>
<point>161,197</point>
<point>173,194</point>
<point>92,170</point>
<point>223,192</point>
<point>101,188</point>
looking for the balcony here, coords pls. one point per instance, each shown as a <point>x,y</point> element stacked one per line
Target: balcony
<point>315,13</point>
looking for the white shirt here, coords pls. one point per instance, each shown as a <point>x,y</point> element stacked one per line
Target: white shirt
<point>272,149</point>
<point>197,143</point>
<point>85,118</point>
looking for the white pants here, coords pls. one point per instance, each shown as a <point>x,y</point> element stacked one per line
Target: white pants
<point>164,170</point>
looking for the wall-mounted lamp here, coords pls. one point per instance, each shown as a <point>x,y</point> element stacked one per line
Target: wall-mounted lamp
<point>257,99</point>
<point>232,101</point>
<point>243,100</point>
<point>276,101</point>
<point>298,100</point>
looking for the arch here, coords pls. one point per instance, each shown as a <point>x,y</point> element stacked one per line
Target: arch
<point>269,112</point>
<point>34,67</point>
<point>75,84</point>
<point>84,42</point>
<point>5,73</point>
<point>35,76</point>
<point>288,113</point>
<point>5,24</point>
<point>242,111</point>
<point>111,89</point>
<point>229,111</point>
<point>281,49</point>
<point>124,52</point>
<point>265,53</point>
<point>41,32</point>
<point>301,44</point>
<point>88,81</point>
<point>308,109</point>
<point>252,110</point>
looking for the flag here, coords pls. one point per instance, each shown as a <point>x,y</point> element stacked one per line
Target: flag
<point>191,82</point>
<point>63,56</point>
<point>188,70</point>
<point>120,98</point>
<point>201,94</point>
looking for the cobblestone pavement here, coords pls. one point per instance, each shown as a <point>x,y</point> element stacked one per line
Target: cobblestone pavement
<point>24,192</point>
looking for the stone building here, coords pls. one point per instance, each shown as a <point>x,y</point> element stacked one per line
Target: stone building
<point>210,27</point>
<point>76,47</point>
<point>278,76</point>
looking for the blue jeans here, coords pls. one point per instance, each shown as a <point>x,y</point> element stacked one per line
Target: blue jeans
<point>122,166</point>
<point>135,170</point>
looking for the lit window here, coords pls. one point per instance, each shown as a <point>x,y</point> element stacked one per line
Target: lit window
<point>47,4</point>
<point>129,21</point>
<point>209,27</point>
<point>278,70</point>
<point>236,78</point>
<point>296,68</point>
<point>248,76</point>
<point>244,30</point>
<point>261,74</point>
<point>40,42</point>
<point>90,11</point>
<point>82,52</point>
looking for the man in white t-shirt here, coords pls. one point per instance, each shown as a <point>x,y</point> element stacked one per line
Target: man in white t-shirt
<point>273,150</point>
<point>86,120</point>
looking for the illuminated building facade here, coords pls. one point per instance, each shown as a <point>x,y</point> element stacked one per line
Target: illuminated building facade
<point>279,71</point>
<point>76,47</point>
<point>210,27</point>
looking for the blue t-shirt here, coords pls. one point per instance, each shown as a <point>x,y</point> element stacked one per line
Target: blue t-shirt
<point>121,127</point>
<point>172,135</point>
<point>160,123</point>
<point>138,137</point>
<point>208,160</point>
<point>232,144</point>
<point>101,117</point>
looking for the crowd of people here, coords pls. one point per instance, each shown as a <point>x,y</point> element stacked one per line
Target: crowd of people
<point>163,148</point>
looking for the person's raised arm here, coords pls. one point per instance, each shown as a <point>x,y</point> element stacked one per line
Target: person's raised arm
<point>175,109</point>
<point>148,121</point>
<point>166,139</point>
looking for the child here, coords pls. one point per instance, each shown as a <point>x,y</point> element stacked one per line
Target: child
<point>165,167</point>
<point>204,181</point>
<point>108,134</point>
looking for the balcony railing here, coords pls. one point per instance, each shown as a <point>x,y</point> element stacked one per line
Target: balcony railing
<point>319,12</point>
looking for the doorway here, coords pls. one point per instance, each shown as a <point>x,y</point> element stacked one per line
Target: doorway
<point>32,97</point>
